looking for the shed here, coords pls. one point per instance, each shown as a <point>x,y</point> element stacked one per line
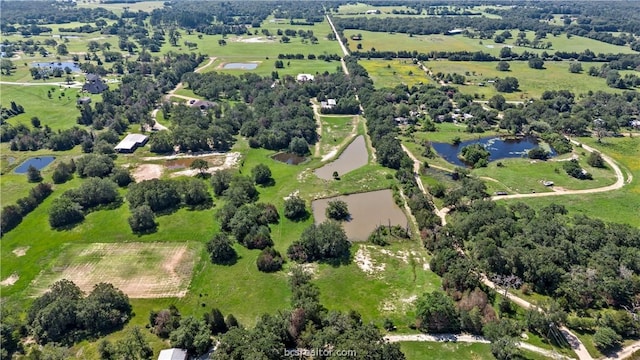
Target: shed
<point>173,354</point>
<point>202,104</point>
<point>131,142</point>
<point>330,103</point>
<point>83,100</point>
<point>305,77</point>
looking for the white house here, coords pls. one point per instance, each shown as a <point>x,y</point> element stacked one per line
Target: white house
<point>305,77</point>
<point>173,354</point>
<point>131,142</point>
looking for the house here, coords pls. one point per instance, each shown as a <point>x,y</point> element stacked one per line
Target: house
<point>634,123</point>
<point>455,32</point>
<point>598,122</point>
<point>356,37</point>
<point>547,183</point>
<point>401,120</point>
<point>202,104</point>
<point>131,142</point>
<point>501,193</point>
<point>372,12</point>
<point>83,100</point>
<point>173,354</point>
<point>94,85</point>
<point>305,77</point>
<point>329,104</point>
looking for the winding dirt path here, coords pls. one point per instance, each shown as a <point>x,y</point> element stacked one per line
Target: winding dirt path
<point>180,85</point>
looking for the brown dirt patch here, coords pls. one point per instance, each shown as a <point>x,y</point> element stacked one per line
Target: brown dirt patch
<point>147,172</point>
<point>21,251</point>
<point>10,280</point>
<point>140,270</point>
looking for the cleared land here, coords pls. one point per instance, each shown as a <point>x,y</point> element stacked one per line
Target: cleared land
<point>384,41</point>
<point>140,270</point>
<point>389,73</point>
<point>533,83</point>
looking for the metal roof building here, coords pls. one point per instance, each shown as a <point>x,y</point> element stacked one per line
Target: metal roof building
<point>131,142</point>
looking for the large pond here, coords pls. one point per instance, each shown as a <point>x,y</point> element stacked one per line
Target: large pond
<point>75,67</point>
<point>37,162</point>
<point>240,66</point>
<point>353,157</point>
<point>368,210</point>
<point>499,148</point>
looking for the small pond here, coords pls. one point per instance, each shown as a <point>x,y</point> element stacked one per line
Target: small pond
<point>289,158</point>
<point>240,66</point>
<point>353,157</point>
<point>75,67</point>
<point>368,210</point>
<point>185,162</point>
<point>499,148</point>
<point>37,162</point>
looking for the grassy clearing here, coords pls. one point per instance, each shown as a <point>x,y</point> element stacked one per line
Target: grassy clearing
<point>59,112</point>
<point>533,83</point>
<point>446,351</point>
<point>267,66</point>
<point>335,129</point>
<point>621,206</point>
<point>389,73</point>
<point>361,8</point>
<point>427,43</point>
<point>146,6</point>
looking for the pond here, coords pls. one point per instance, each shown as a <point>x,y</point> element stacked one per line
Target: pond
<point>368,210</point>
<point>353,157</point>
<point>75,67</point>
<point>289,158</point>
<point>37,162</point>
<point>240,66</point>
<point>185,162</point>
<point>499,148</point>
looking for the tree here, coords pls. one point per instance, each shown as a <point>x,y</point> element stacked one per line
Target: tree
<point>294,208</point>
<point>605,338</point>
<point>503,66</point>
<point>62,50</point>
<point>269,260</point>
<point>508,84</point>
<point>575,67</point>
<point>142,220</point>
<point>220,250</point>
<point>538,153</point>
<point>33,174</point>
<point>93,165</point>
<point>192,335</point>
<point>220,181</point>
<point>201,165</point>
<point>121,177</point>
<point>536,63</point>
<point>231,321</point>
<point>573,169</point>
<point>299,146</point>
<point>497,102</point>
<point>262,174</point>
<point>35,121</point>
<point>595,160</point>
<point>505,348</point>
<point>215,320</point>
<point>133,346</point>
<point>475,155</point>
<point>64,212</point>
<point>337,210</point>
<point>436,313</point>
<point>324,242</point>
<point>6,66</point>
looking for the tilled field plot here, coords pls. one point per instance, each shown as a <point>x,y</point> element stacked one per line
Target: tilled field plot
<point>140,270</point>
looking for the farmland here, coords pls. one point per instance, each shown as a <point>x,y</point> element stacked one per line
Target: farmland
<point>268,114</point>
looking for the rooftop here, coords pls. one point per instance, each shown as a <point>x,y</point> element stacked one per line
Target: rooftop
<point>131,141</point>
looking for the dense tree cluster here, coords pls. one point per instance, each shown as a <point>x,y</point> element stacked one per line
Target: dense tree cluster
<point>65,315</point>
<point>324,242</point>
<point>475,155</point>
<point>12,214</point>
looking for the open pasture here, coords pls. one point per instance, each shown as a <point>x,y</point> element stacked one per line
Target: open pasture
<point>147,6</point>
<point>384,41</point>
<point>140,270</point>
<point>389,73</point>
<point>532,82</point>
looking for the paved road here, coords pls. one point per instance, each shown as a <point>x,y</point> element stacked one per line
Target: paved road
<point>626,352</point>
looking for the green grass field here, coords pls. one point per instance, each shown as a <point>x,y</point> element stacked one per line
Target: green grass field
<point>385,41</point>
<point>59,112</point>
<point>389,73</point>
<point>147,6</point>
<point>533,83</point>
<point>621,206</point>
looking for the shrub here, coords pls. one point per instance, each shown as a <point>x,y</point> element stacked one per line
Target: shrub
<point>595,160</point>
<point>269,260</point>
<point>605,338</point>
<point>572,167</point>
<point>538,153</point>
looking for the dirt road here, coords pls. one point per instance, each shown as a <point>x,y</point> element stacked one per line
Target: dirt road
<point>344,48</point>
<point>180,85</point>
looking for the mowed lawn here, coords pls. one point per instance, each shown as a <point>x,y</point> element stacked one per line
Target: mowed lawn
<point>59,111</point>
<point>621,206</point>
<point>389,73</point>
<point>532,82</point>
<point>265,67</point>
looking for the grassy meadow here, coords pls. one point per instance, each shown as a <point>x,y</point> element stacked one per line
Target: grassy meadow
<point>533,82</point>
<point>389,73</point>
<point>621,206</point>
